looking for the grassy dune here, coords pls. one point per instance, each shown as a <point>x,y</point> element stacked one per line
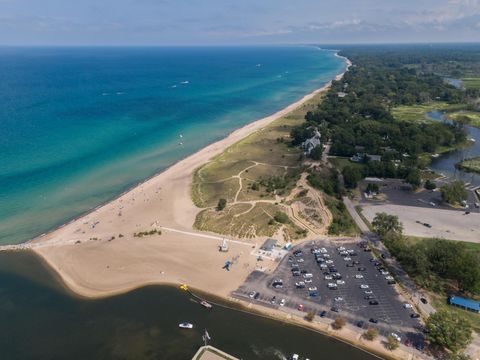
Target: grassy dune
<point>470,165</point>
<point>253,175</point>
<point>471,83</point>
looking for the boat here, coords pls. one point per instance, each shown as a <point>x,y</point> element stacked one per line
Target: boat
<point>206,304</point>
<point>185,325</point>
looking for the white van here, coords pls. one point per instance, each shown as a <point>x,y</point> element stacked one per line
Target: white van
<point>308,275</point>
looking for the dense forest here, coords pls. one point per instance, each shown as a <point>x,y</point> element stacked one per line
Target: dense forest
<point>355,114</point>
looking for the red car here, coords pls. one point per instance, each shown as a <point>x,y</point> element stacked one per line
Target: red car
<point>300,307</point>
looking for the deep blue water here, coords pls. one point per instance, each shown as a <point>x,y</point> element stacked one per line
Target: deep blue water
<point>80,125</point>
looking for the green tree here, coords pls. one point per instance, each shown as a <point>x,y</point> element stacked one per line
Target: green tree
<point>351,176</point>
<point>371,334</point>
<point>414,178</point>
<point>392,343</point>
<point>310,316</point>
<point>339,323</point>
<point>454,193</point>
<point>448,330</point>
<point>317,152</point>
<point>430,185</point>
<point>221,204</point>
<point>384,224</point>
<point>281,217</point>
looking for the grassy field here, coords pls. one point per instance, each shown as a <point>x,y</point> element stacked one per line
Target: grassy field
<point>440,303</point>
<point>471,82</point>
<point>470,165</point>
<point>473,117</point>
<point>253,175</point>
<point>417,112</point>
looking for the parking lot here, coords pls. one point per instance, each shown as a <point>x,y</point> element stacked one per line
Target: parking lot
<point>353,287</point>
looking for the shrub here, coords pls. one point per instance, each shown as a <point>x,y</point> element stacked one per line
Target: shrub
<point>310,316</point>
<point>221,204</point>
<point>339,323</point>
<point>430,185</point>
<point>281,217</point>
<point>392,343</point>
<point>371,334</point>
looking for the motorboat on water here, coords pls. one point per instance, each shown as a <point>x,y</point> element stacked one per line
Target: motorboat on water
<point>185,325</point>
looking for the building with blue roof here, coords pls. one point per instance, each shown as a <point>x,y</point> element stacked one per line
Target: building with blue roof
<point>466,304</point>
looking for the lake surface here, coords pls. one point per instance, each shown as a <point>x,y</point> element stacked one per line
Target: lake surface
<point>80,125</point>
<point>39,320</point>
<point>446,163</point>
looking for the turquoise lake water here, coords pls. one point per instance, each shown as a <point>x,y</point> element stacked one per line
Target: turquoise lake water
<point>80,125</point>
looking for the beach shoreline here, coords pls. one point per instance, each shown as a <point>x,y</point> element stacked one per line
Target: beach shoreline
<point>96,256</point>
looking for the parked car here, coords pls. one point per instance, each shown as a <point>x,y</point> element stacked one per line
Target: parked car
<point>350,265</point>
<point>407,306</point>
<point>296,273</point>
<point>396,337</point>
<point>373,320</point>
<point>273,299</point>
<point>313,288</point>
<point>368,292</point>
<point>340,282</point>
<point>257,295</point>
<point>360,324</point>
<point>389,277</point>
<point>368,297</point>
<point>362,268</point>
<point>300,285</point>
<point>338,298</point>
<point>414,316</point>
<point>328,277</point>
<point>335,309</point>
<point>252,294</point>
<point>323,314</point>
<point>282,302</point>
<point>364,286</point>
<point>347,258</point>
<point>355,262</point>
<point>300,307</point>
<point>391,282</point>
<point>423,300</point>
<point>373,302</point>
<point>359,276</point>
<point>300,260</point>
<point>307,281</point>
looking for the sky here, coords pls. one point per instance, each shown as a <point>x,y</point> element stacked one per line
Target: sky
<point>239,22</point>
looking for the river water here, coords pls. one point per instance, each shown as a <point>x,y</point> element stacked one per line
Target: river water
<point>40,320</point>
<point>445,164</point>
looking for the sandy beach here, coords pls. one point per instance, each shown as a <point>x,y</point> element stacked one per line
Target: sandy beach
<point>98,255</point>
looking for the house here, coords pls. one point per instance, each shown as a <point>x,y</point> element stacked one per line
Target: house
<point>360,157</point>
<point>465,304</point>
<point>310,144</point>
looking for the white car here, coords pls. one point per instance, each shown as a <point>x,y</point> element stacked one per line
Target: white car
<point>329,262</point>
<point>338,298</point>
<point>344,253</point>
<point>313,288</point>
<point>323,250</point>
<point>340,282</point>
<point>328,277</point>
<point>398,338</point>
<point>359,276</point>
<point>350,251</point>
<point>252,294</point>
<point>300,260</point>
<point>407,306</point>
<point>326,256</point>
<point>364,286</point>
<point>323,266</point>
<point>384,272</point>
<point>332,285</point>
<point>389,277</point>
<point>368,292</point>
<point>348,258</point>
<point>282,302</point>
<point>341,248</point>
<point>307,281</point>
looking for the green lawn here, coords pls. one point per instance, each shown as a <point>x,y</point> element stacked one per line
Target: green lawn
<point>473,116</point>
<point>470,165</point>
<point>417,112</point>
<point>471,82</point>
